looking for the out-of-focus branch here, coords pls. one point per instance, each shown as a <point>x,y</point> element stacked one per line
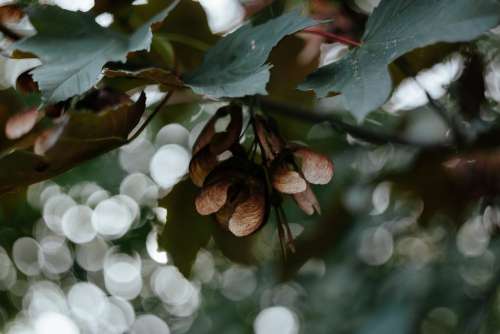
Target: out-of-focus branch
<point>342,126</point>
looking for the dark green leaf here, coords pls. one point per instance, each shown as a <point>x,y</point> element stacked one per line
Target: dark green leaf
<point>73,49</point>
<point>236,65</point>
<point>186,232</point>
<point>394,28</point>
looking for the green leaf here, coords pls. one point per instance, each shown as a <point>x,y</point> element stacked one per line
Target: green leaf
<point>394,28</point>
<point>185,232</point>
<point>236,65</point>
<point>86,135</point>
<point>73,49</point>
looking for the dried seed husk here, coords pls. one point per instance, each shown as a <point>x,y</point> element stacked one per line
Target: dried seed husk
<point>251,214</point>
<point>317,168</point>
<point>237,194</point>
<point>231,136</point>
<point>201,165</point>
<point>240,186</point>
<point>287,181</point>
<point>307,201</point>
<point>270,141</point>
<point>212,197</point>
<point>205,161</point>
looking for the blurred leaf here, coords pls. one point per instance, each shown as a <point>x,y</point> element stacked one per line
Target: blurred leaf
<point>236,65</point>
<point>394,28</point>
<point>185,232</point>
<point>74,48</point>
<point>85,136</point>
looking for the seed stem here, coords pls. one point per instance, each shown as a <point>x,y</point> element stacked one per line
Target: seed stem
<point>333,37</point>
<point>152,115</point>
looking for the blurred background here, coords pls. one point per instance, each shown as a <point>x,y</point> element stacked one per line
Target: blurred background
<point>406,243</point>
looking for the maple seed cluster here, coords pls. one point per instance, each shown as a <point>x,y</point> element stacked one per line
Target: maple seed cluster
<point>239,189</point>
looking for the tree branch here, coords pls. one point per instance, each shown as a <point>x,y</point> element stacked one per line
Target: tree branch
<point>342,126</point>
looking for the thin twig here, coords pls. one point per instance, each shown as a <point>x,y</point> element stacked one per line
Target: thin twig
<point>281,234</point>
<point>333,37</point>
<point>151,116</point>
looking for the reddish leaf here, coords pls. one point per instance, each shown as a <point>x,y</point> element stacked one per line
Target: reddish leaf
<point>85,136</point>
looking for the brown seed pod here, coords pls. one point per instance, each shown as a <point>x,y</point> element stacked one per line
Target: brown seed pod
<point>286,180</point>
<point>228,136</point>
<point>317,168</point>
<point>235,191</point>
<point>201,165</point>
<point>213,146</point>
<point>205,161</point>
<point>269,138</point>
<point>249,216</point>
<point>307,201</point>
<point>212,197</point>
